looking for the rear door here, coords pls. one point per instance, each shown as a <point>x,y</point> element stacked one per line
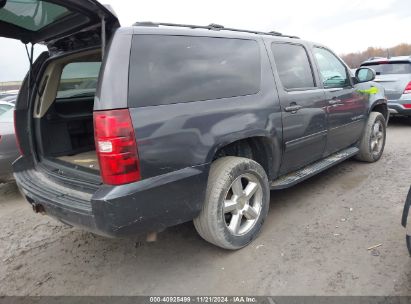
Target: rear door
<point>346,108</point>
<point>33,21</point>
<point>303,106</point>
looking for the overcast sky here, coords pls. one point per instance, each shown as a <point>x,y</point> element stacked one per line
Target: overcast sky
<point>345,26</point>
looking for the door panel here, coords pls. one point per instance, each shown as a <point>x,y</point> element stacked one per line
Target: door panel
<point>346,108</point>
<point>304,131</point>
<point>346,118</point>
<point>303,107</point>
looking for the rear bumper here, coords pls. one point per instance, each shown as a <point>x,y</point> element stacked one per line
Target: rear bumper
<point>406,221</point>
<point>396,107</point>
<point>147,206</point>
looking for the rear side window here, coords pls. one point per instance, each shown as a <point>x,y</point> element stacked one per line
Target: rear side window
<point>390,68</point>
<point>174,69</point>
<point>78,79</point>
<point>293,66</point>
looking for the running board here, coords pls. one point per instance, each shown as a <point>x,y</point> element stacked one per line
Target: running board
<point>296,177</point>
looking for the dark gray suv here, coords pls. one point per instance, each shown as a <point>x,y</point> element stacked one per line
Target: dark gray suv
<point>185,123</point>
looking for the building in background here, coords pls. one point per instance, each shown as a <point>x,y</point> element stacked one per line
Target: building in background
<point>6,87</point>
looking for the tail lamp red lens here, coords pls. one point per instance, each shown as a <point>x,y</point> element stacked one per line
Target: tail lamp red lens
<point>116,147</point>
<point>408,88</point>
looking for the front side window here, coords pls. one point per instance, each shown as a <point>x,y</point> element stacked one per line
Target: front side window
<point>79,79</point>
<point>293,66</point>
<point>175,69</point>
<point>333,73</point>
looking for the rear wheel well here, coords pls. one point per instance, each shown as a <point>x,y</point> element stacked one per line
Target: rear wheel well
<point>255,148</point>
<point>381,108</point>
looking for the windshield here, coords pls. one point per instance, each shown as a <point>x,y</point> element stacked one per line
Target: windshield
<point>390,68</point>
<point>32,15</point>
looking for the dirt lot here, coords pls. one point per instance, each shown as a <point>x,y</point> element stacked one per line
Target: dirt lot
<point>314,242</point>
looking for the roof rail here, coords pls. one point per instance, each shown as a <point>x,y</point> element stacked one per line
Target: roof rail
<point>213,27</point>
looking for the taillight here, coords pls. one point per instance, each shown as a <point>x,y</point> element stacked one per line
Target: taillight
<point>408,88</point>
<point>16,134</point>
<point>116,147</point>
<point>407,106</point>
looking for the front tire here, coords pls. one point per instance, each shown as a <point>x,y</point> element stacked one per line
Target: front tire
<point>373,141</point>
<point>237,202</point>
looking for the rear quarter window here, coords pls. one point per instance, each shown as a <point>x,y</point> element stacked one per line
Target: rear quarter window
<point>175,69</point>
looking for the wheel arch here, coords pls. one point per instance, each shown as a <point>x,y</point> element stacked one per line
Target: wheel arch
<point>263,149</point>
<point>381,106</point>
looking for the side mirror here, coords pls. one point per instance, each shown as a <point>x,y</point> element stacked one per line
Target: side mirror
<point>365,74</point>
<point>2,3</point>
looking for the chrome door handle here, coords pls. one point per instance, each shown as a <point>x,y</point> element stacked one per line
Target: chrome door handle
<point>293,108</point>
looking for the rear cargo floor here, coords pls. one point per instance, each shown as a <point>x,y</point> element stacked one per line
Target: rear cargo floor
<point>86,159</point>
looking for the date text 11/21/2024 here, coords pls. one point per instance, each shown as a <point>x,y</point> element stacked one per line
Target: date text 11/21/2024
<point>204,299</point>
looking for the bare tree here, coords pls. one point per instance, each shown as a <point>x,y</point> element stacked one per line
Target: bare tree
<point>354,60</point>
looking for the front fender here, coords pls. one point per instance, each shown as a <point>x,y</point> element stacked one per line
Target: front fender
<point>376,97</point>
<point>375,93</point>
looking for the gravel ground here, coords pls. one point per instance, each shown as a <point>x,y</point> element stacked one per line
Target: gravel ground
<point>314,242</point>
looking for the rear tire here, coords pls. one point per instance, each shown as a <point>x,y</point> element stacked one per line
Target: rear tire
<point>236,205</point>
<point>372,143</point>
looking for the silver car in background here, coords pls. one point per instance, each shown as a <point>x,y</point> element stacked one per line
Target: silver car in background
<point>9,151</point>
<point>5,106</point>
<point>10,99</point>
<point>394,74</point>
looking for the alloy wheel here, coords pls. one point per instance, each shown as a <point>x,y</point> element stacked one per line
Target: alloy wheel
<point>243,204</point>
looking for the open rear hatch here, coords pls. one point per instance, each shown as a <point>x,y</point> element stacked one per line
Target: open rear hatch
<point>60,24</point>
<point>63,129</point>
